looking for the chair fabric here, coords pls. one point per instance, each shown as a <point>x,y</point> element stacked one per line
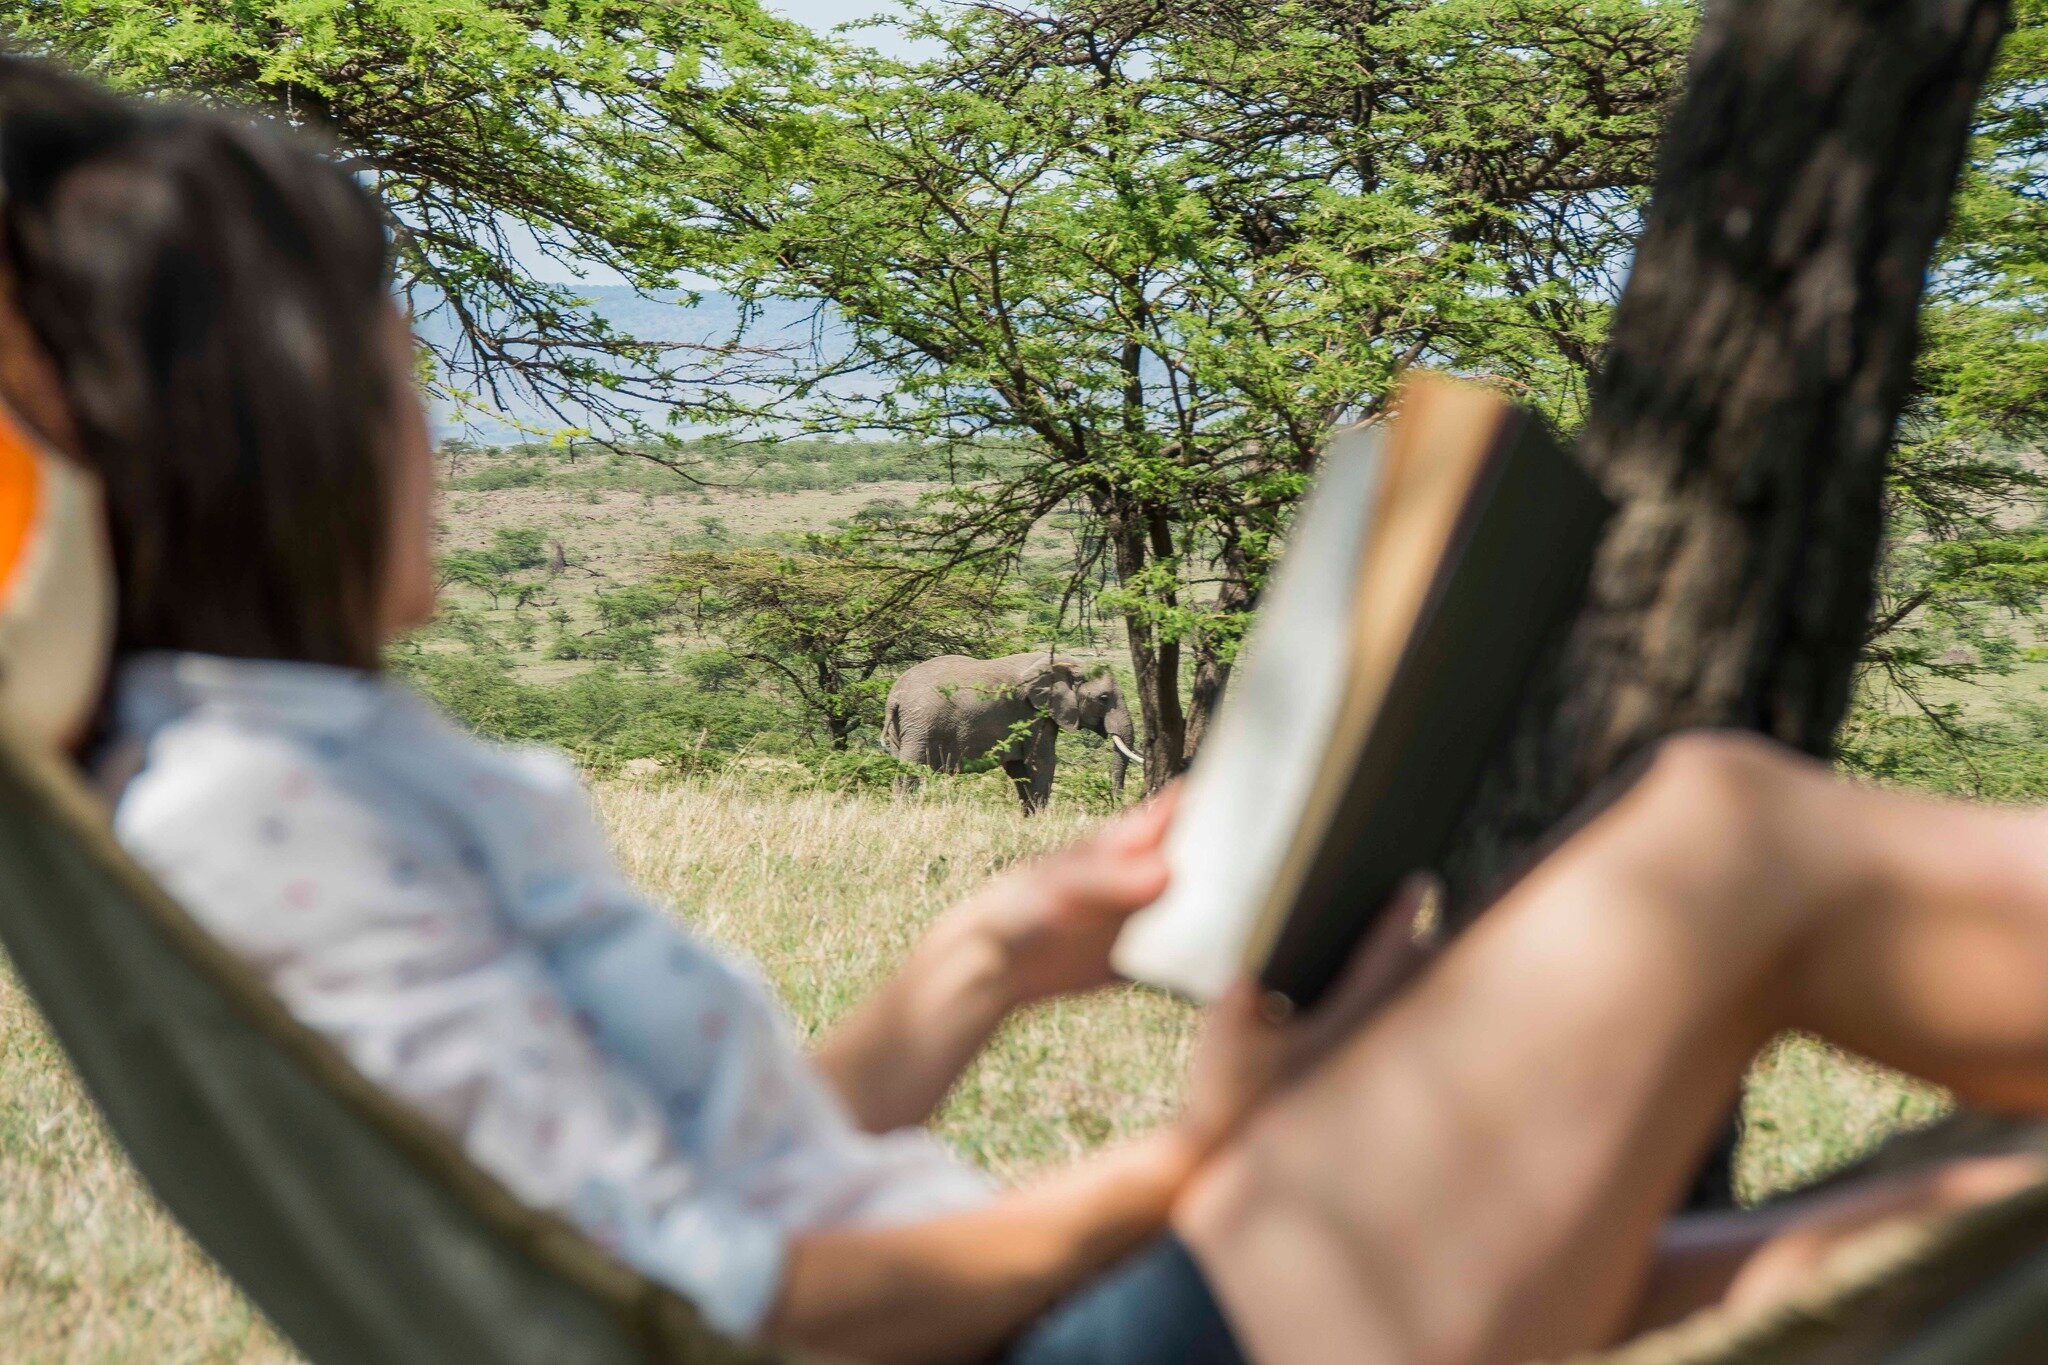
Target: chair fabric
<point>1970,1290</point>
<point>361,1231</point>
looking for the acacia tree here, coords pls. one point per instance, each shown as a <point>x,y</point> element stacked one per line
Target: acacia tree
<point>1966,568</point>
<point>1156,250</point>
<point>1150,249</point>
<point>498,133</point>
<point>828,628</point>
<point>1762,354</point>
<point>1167,244</point>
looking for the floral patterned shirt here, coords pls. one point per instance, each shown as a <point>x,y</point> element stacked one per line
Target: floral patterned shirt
<point>444,909</point>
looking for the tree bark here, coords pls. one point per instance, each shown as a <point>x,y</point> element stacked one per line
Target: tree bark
<point>1155,663</point>
<point>1760,356</point>
<point>1759,359</point>
<point>1233,595</point>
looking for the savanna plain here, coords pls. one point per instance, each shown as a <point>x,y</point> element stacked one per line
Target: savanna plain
<point>567,621</point>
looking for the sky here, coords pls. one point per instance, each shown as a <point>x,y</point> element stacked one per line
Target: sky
<point>824,14</point>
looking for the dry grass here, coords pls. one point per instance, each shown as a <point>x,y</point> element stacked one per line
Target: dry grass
<point>1811,1108</point>
<point>91,1269</point>
<point>826,892</point>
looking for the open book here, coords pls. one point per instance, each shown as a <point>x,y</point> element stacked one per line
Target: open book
<point>1434,558</point>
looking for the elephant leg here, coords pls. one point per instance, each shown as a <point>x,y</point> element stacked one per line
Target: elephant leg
<point>1020,775</point>
<point>1045,759</point>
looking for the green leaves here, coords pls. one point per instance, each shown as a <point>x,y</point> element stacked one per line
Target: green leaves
<point>1961,591</point>
<point>1123,264</point>
<point>500,133</point>
<point>1160,249</point>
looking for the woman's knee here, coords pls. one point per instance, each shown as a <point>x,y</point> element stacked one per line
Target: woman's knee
<point>1725,783</point>
<point>1739,760</point>
<point>1716,813</point>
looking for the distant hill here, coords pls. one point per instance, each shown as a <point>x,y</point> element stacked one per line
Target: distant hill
<point>671,318</point>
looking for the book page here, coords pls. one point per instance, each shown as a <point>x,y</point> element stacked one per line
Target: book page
<point>1436,449</point>
<point>1259,761</point>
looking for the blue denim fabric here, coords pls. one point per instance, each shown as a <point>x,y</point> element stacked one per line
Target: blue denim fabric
<point>1154,1309</point>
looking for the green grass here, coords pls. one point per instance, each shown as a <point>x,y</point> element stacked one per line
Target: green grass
<point>1810,1108</point>
<point>827,891</point>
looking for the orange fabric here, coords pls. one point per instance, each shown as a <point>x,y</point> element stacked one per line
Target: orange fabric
<point>21,493</point>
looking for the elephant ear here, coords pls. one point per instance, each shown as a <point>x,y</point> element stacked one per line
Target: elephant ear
<point>1057,693</point>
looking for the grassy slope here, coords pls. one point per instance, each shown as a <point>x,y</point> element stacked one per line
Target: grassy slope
<point>617,519</point>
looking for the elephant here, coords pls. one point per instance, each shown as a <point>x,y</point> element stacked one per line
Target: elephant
<point>949,710</point>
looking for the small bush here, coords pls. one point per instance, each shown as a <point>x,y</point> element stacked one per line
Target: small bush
<point>467,627</point>
<point>635,604</point>
<point>715,670</point>
<point>601,718</point>
<point>862,769</point>
<point>2002,756</point>
<point>520,547</point>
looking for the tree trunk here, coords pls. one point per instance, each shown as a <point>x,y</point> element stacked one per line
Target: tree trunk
<point>1211,673</point>
<point>1759,359</point>
<point>1155,664</point>
<point>1760,356</point>
<point>839,718</point>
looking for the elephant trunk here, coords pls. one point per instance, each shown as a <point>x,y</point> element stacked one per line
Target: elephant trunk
<point>1123,750</point>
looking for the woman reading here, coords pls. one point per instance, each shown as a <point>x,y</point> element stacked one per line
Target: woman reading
<point>199,312</point>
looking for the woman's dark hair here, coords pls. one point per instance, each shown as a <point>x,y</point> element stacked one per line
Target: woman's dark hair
<point>213,296</point>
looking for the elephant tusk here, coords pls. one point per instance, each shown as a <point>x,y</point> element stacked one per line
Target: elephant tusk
<point>1125,750</point>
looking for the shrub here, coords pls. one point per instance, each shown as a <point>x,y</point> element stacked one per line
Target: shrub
<point>500,475</point>
<point>635,604</point>
<point>715,670</point>
<point>630,644</point>
<point>2001,756</point>
<point>520,547</point>
<point>601,718</point>
<point>862,769</point>
<point>467,627</point>
<point>828,630</point>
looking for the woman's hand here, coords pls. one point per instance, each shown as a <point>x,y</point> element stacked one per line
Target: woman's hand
<point>1245,1052</point>
<point>1039,930</point>
<point>1048,925</point>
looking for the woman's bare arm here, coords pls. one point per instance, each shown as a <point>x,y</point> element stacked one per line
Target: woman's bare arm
<point>1039,930</point>
<point>897,1054</point>
<point>957,1288</point>
<point>954,1288</point>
